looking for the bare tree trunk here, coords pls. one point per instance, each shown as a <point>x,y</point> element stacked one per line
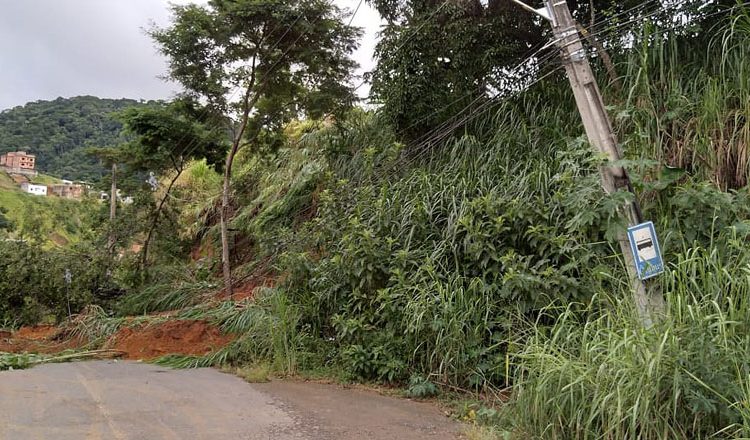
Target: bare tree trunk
<point>609,66</point>
<point>248,102</point>
<point>112,211</point>
<point>224,212</point>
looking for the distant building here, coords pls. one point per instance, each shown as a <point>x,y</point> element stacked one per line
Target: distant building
<point>104,196</point>
<point>67,190</point>
<point>18,162</point>
<point>37,190</point>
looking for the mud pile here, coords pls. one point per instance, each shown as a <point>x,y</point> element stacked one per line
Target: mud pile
<point>45,339</point>
<point>145,341</point>
<point>171,337</point>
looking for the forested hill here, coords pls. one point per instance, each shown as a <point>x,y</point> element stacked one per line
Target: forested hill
<point>59,132</point>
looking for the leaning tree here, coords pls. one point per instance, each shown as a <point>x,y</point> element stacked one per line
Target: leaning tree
<point>259,62</point>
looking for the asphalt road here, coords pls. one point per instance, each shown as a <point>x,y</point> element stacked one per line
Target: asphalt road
<point>130,400</point>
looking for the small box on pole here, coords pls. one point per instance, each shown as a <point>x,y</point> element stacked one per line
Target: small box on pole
<point>646,251</point>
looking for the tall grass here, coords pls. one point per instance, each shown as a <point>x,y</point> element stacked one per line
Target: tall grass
<point>166,296</point>
<point>602,375</point>
<point>688,107</point>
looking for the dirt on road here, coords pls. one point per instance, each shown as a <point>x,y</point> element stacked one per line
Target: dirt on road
<point>129,400</point>
<point>333,412</point>
<point>138,342</point>
<point>45,339</point>
<point>171,337</point>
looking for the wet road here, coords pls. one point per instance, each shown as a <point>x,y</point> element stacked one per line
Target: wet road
<point>130,400</point>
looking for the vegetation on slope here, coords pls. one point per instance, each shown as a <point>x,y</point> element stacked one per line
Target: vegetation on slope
<point>487,262</point>
<point>482,258</point>
<point>45,220</point>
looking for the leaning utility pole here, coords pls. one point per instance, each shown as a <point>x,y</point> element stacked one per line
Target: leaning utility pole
<point>601,136</point>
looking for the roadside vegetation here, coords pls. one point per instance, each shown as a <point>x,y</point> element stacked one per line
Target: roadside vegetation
<point>474,254</point>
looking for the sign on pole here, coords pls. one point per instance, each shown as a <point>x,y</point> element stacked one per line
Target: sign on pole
<point>646,251</point>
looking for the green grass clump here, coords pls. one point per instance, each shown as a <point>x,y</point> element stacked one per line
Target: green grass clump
<point>258,373</point>
<point>162,297</point>
<point>602,375</point>
<point>14,361</point>
<point>266,329</point>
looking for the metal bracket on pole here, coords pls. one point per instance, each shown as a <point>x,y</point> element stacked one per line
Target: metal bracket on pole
<point>542,12</point>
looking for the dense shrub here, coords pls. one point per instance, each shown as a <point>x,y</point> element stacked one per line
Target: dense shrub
<point>32,282</point>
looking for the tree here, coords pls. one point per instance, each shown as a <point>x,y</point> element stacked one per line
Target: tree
<point>280,57</point>
<point>436,57</point>
<point>165,139</point>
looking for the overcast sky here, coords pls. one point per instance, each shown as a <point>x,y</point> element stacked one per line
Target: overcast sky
<point>51,48</point>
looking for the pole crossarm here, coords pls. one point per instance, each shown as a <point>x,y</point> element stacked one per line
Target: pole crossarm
<point>542,12</point>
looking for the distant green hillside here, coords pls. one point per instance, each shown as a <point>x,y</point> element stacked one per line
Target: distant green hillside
<point>59,131</point>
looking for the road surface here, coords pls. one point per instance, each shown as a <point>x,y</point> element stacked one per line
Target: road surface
<point>130,400</point>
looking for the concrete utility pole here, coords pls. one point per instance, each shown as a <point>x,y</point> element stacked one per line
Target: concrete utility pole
<point>601,136</point>
<point>112,210</point>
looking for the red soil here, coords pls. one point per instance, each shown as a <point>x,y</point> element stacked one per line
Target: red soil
<point>170,337</point>
<point>139,342</point>
<point>37,332</point>
<point>248,288</point>
<point>38,339</point>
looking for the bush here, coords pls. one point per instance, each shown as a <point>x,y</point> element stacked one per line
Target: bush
<point>32,283</point>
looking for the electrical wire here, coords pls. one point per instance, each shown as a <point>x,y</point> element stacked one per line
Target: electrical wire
<point>466,114</point>
<point>448,128</point>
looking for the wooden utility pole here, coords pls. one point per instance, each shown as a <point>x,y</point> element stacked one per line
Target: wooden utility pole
<point>601,136</point>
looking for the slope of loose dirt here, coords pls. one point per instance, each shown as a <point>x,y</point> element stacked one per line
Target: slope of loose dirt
<point>44,339</point>
<point>170,337</point>
<point>37,332</point>
<point>145,342</point>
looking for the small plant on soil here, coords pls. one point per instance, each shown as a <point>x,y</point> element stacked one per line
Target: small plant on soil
<point>420,388</point>
<point>254,373</point>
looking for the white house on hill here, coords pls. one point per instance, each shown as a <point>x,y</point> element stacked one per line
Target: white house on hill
<point>37,190</point>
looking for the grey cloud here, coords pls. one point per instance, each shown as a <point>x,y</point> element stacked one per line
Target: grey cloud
<point>73,47</point>
<point>51,48</point>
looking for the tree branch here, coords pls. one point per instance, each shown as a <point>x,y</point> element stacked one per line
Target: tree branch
<point>155,220</point>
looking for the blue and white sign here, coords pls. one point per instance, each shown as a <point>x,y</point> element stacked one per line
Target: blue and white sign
<point>646,251</point>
